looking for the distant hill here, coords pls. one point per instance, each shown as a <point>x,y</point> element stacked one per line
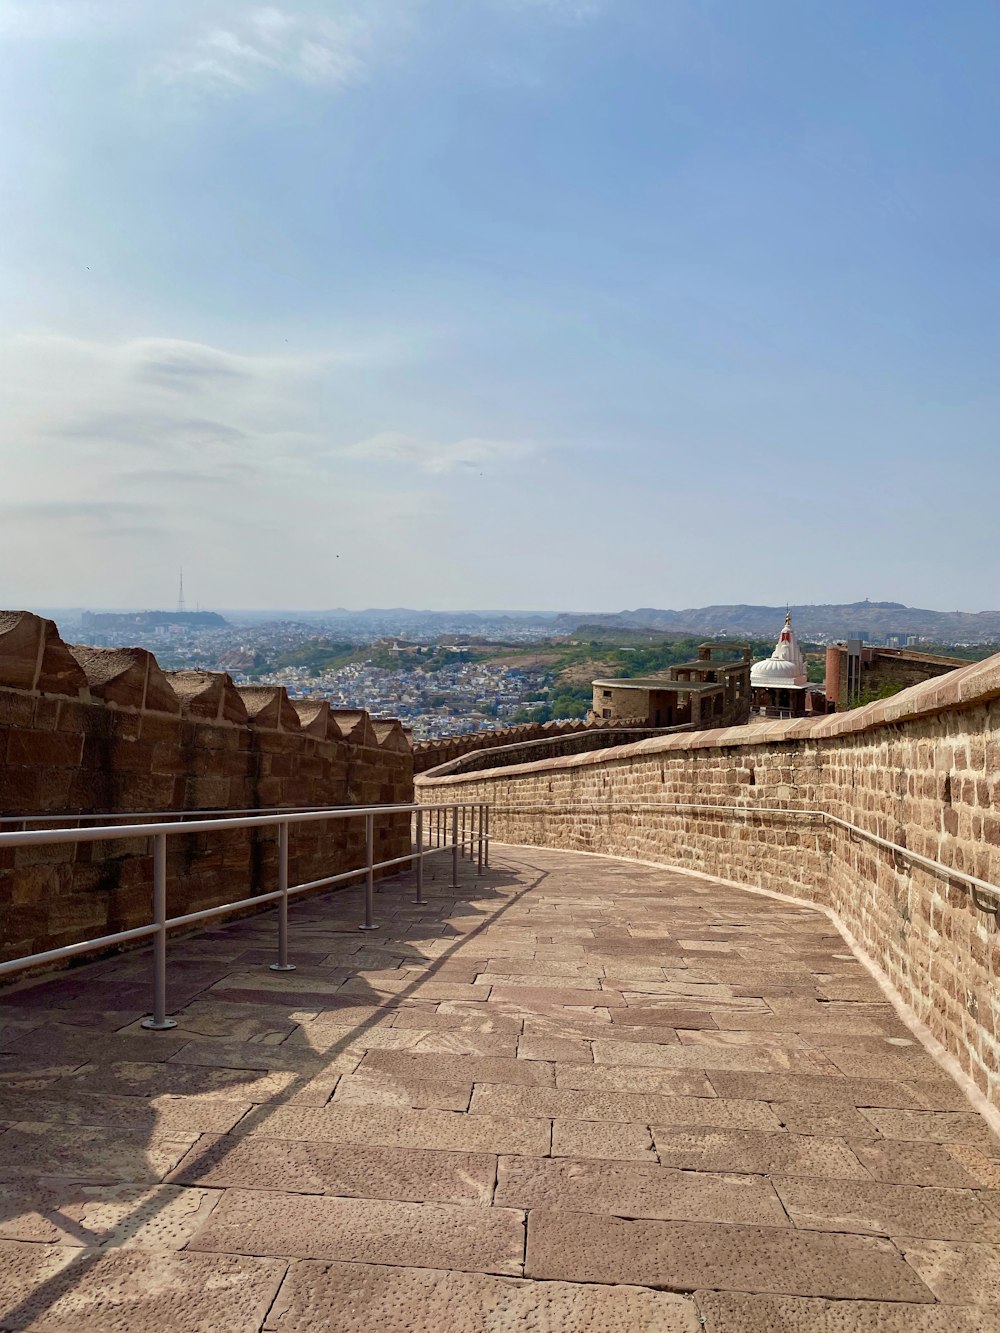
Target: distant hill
<point>828,621</point>
<point>147,620</point>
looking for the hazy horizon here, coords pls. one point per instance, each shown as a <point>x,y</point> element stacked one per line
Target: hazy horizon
<point>526,301</point>
<point>499,611</point>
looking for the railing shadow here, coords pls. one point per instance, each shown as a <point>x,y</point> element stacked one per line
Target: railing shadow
<point>64,1203</point>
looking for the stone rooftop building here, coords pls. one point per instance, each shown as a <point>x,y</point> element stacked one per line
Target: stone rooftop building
<point>713,690</point>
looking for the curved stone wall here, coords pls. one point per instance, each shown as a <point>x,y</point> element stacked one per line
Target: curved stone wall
<point>921,769</point>
<point>433,753</point>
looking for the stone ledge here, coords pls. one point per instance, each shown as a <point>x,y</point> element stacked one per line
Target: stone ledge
<point>961,689</point>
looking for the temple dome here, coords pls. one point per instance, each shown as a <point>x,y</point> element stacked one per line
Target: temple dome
<point>785,668</point>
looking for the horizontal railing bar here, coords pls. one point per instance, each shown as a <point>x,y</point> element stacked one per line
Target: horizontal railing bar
<point>48,837</point>
<point>221,811</point>
<point>71,950</point>
<point>928,863</point>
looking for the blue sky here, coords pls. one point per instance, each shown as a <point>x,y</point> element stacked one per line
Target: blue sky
<point>525,303</point>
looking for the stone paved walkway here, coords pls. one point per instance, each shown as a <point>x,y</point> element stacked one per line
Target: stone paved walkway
<point>578,1096</point>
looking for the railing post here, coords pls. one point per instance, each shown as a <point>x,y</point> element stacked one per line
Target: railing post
<point>159,1022</point>
<point>479,826</point>
<point>486,808</point>
<point>283,965</point>
<point>419,899</point>
<point>454,847</point>
<point>370,875</point>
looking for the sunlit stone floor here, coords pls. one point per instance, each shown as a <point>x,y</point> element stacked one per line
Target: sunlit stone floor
<point>574,1096</point>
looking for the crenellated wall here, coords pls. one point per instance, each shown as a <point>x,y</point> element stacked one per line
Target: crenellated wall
<point>91,730</point>
<point>921,769</point>
<point>432,753</point>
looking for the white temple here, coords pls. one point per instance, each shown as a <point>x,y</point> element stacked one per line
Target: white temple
<point>785,669</point>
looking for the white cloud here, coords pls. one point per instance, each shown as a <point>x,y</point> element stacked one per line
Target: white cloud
<point>434,456</point>
<point>250,47</point>
<point>121,460</point>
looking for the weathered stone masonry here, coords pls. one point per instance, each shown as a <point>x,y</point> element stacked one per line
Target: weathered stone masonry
<point>921,769</point>
<point>442,749</point>
<point>90,730</point>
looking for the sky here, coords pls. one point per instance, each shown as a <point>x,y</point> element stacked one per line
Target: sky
<point>508,303</point>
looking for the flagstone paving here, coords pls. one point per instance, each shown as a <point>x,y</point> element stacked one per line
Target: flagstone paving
<point>573,1096</point>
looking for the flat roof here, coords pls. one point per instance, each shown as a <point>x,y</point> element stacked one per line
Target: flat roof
<point>703,664</point>
<point>660,683</point>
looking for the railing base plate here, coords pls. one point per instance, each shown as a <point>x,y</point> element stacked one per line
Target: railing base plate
<point>282,967</point>
<point>367,927</point>
<point>154,1026</point>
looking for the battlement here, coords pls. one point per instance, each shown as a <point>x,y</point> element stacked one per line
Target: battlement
<point>90,730</point>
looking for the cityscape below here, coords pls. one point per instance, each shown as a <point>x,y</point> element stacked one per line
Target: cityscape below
<point>447,673</point>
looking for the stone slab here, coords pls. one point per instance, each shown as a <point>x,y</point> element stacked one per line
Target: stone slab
<point>587,1185</point>
<point>378,1089</point>
<point>634,1107</point>
<point>308,1226</point>
<point>759,1152</point>
<point>342,1169</point>
<point>356,1298</point>
<point>592,1138</point>
<point>755,1059</point>
<point>956,1274</point>
<point>816,1090</point>
<point>408,1129</point>
<point>130,1079</point>
<point>89,1154</point>
<point>684,1256</point>
<point>888,1210</point>
<point>460,1068</point>
<point>55,1289</point>
<point>934,1127</point>
<point>737,1312</point>
<point>163,1217</point>
<point>632,1078</point>
<point>901,1163</point>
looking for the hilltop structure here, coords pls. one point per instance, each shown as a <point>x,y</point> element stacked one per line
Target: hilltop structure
<point>712,691</point>
<point>779,685</point>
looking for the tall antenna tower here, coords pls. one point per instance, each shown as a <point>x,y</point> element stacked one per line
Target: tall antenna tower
<point>181,607</point>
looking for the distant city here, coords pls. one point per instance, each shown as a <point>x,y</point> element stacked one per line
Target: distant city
<point>444,673</point>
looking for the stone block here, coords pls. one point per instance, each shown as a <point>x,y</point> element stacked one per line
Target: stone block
<point>353,726</point>
<point>314,717</point>
<point>209,696</point>
<point>127,677</point>
<point>34,657</point>
<point>366,1230</point>
<point>63,1288</point>
<point>355,1297</point>
<point>577,1247</point>
<point>269,708</point>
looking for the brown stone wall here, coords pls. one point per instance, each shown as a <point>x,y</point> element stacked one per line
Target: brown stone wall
<point>87,730</point>
<point>921,769</point>
<point>430,754</point>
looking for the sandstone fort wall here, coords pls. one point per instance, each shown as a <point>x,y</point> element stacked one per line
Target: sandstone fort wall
<point>441,750</point>
<point>90,730</point>
<point>921,769</point>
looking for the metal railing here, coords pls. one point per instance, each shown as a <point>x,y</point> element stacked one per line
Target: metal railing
<point>469,827</point>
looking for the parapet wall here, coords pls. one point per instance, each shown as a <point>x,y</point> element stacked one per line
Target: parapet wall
<point>94,730</point>
<point>432,753</point>
<point>921,769</point>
